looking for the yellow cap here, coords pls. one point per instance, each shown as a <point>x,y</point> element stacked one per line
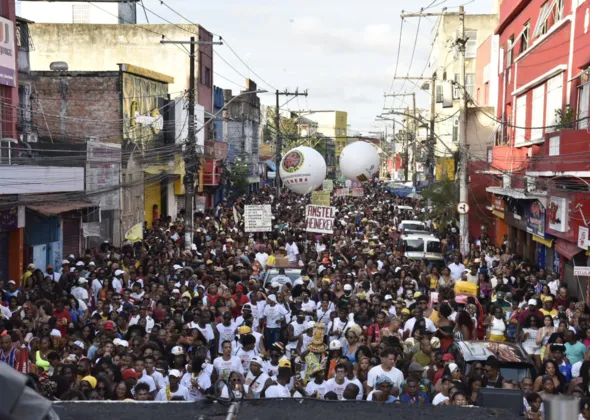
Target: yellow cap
<point>284,363</point>
<point>244,329</point>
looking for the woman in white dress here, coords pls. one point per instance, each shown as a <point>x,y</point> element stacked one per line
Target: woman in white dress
<point>528,338</point>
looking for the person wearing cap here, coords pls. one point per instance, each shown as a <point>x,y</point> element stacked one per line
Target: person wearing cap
<point>280,388</point>
<point>240,298</point>
<point>548,309</point>
<point>274,316</point>
<point>174,391</point>
<point>257,379</point>
<point>50,272</point>
<point>117,282</point>
<point>531,310</point>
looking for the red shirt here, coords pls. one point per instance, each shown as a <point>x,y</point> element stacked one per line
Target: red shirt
<point>237,311</point>
<point>63,320</point>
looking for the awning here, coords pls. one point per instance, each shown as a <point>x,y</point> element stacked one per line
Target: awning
<point>498,213</point>
<point>52,209</point>
<point>568,249</point>
<point>271,165</point>
<point>547,242</point>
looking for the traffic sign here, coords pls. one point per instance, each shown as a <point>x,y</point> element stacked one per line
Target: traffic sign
<point>581,271</point>
<point>462,208</point>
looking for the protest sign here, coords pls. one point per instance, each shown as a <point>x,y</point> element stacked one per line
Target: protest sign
<point>358,192</point>
<point>342,192</point>
<point>319,219</point>
<point>257,218</point>
<point>328,185</point>
<point>320,198</point>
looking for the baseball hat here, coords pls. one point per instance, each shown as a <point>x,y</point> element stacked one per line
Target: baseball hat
<point>257,360</point>
<point>388,297</point>
<point>82,280</point>
<point>415,367</point>
<point>49,267</point>
<point>448,356</point>
<point>118,272</point>
<point>417,295</point>
<point>130,373</point>
<point>272,298</point>
<point>557,347</point>
<point>175,372</point>
<point>244,329</point>
<point>533,302</point>
<point>335,345</point>
<point>310,324</point>
<point>79,343</point>
<point>91,264</point>
<point>109,326</point>
<point>124,343</point>
<point>177,350</point>
<point>285,363</point>
<point>80,264</point>
<point>175,291</point>
<point>275,285</point>
<point>64,262</point>
<point>347,287</point>
<point>447,378</point>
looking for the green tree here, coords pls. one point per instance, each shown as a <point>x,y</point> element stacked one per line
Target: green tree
<point>238,177</point>
<point>442,197</point>
<point>289,130</point>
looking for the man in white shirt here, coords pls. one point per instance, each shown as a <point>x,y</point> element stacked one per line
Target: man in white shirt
<point>79,291</point>
<point>150,365</point>
<point>146,379</point>
<point>338,383</point>
<point>274,315</point>
<point>52,274</point>
<point>418,315</point>
<point>281,387</point>
<point>292,251</point>
<point>117,283</point>
<point>175,389</point>
<point>197,382</point>
<point>457,268</point>
<point>256,379</point>
<point>226,363</point>
<point>261,257</point>
<point>387,368</point>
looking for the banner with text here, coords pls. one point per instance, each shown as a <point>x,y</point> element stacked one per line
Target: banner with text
<point>328,185</point>
<point>320,198</point>
<point>257,218</point>
<point>358,192</point>
<point>342,192</point>
<point>320,219</point>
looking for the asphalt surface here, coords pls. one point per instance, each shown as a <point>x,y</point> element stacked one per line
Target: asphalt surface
<point>272,409</point>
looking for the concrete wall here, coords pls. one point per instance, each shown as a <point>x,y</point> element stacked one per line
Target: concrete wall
<point>101,47</point>
<point>480,132</point>
<point>24,179</point>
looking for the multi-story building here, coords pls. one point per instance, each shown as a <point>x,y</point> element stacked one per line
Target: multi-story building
<point>540,153</point>
<point>333,124</point>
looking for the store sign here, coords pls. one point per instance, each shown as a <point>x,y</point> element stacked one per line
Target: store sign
<point>558,213</point>
<point>583,237</point>
<point>581,271</point>
<point>320,219</point>
<point>498,203</point>
<point>7,53</point>
<point>535,219</point>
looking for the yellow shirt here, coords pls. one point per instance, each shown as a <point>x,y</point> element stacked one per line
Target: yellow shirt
<point>272,260</point>
<point>552,312</point>
<point>434,317</point>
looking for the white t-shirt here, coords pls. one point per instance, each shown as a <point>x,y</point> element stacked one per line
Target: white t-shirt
<point>237,394</point>
<point>409,325</point>
<point>226,333</point>
<point>182,391</point>
<point>204,381</point>
<point>117,285</point>
<point>394,374</point>
<point>313,387</point>
<point>274,315</point>
<point>157,377</point>
<point>80,293</point>
<point>338,389</point>
<point>261,257</point>
<point>147,380</point>
<point>292,252</point>
<point>258,385</point>
<point>456,270</point>
<point>225,367</point>
<point>277,391</point>
<point>439,398</point>
<point>207,331</point>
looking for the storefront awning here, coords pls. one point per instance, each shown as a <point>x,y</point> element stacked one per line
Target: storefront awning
<point>568,249</point>
<point>52,209</point>
<point>271,165</point>
<point>498,213</point>
<point>547,242</point>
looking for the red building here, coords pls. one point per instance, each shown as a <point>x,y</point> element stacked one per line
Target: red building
<point>542,151</point>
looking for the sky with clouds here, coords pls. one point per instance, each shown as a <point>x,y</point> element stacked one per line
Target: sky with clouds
<point>343,52</point>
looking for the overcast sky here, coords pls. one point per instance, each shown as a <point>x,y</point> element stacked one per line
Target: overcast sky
<point>344,52</point>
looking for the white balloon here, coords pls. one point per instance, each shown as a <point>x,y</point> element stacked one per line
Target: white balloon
<point>302,170</point>
<point>359,161</point>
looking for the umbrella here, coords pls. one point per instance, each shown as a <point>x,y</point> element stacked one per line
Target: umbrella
<point>415,196</point>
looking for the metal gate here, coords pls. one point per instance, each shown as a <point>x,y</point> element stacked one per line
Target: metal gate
<point>71,236</point>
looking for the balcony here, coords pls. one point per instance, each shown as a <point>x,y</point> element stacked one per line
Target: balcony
<point>212,170</point>
<point>215,150</point>
<point>507,158</point>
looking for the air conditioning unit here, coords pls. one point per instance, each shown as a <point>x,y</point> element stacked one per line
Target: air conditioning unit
<point>506,181</point>
<point>29,138</point>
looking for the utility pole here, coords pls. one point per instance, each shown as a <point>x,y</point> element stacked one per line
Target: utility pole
<point>413,133</point>
<point>461,41</point>
<point>279,137</point>
<point>192,156</point>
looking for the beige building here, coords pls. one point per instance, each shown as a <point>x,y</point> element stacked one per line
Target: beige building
<point>445,64</point>
<point>334,125</point>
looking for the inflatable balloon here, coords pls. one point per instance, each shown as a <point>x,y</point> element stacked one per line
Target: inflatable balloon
<point>302,170</point>
<point>359,161</point>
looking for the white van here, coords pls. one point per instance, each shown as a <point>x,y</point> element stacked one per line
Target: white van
<point>412,226</point>
<point>422,247</point>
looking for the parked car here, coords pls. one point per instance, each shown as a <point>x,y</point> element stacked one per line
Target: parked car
<point>515,363</point>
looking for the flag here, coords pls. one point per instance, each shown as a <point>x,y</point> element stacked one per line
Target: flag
<point>135,234</point>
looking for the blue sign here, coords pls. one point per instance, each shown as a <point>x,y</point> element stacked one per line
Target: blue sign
<point>535,218</point>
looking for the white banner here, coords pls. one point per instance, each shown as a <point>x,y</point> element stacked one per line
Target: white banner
<point>257,218</point>
<point>581,271</point>
<point>320,219</point>
<point>583,237</point>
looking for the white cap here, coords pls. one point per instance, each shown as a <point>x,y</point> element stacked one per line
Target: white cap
<point>71,257</point>
<point>272,298</point>
<point>124,343</point>
<point>117,341</point>
<point>533,302</point>
<point>72,269</point>
<point>347,287</point>
<point>388,297</point>
<point>177,267</point>
<point>11,282</point>
<point>175,291</point>
<point>335,345</point>
<point>82,280</point>
<point>310,324</point>
<point>80,264</point>
<point>275,284</point>
<point>177,350</point>
<point>257,360</point>
<point>55,333</point>
<point>194,247</point>
<point>91,264</point>
<point>64,262</point>
<point>80,344</point>
<point>175,372</point>
<point>118,272</point>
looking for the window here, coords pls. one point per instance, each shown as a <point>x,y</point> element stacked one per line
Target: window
<point>537,112</point>
<point>541,26</point>
<point>524,37</point>
<point>456,130</point>
<point>554,146</point>
<point>551,12</point>
<point>471,44</point>
<point>207,77</point>
<point>439,94</point>
<point>470,83</point>
<point>510,53</point>
<point>519,131</point>
<point>456,87</point>
<point>554,101</point>
<point>81,13</point>
<point>583,100</point>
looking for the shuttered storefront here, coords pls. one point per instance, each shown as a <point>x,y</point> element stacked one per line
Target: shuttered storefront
<point>71,236</point>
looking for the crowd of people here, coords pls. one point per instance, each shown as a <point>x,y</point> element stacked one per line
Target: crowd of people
<point>288,313</point>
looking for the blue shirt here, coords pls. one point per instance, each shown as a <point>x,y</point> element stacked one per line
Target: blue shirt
<point>405,398</point>
<point>566,370</point>
<point>575,352</point>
